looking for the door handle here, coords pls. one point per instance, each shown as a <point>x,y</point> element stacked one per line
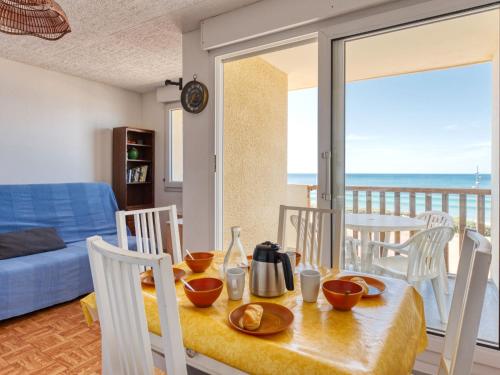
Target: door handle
<point>327,194</point>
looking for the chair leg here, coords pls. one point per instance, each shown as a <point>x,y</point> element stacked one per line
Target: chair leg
<point>440,299</point>
<point>387,238</point>
<point>444,278</point>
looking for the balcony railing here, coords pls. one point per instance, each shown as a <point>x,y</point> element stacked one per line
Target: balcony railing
<point>469,208</point>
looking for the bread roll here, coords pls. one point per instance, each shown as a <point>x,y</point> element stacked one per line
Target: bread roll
<point>251,317</point>
<point>362,283</point>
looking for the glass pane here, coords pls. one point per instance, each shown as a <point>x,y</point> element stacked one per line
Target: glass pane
<point>303,142</point>
<point>420,116</point>
<point>176,145</point>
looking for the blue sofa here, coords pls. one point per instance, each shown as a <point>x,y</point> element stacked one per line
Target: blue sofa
<point>77,211</point>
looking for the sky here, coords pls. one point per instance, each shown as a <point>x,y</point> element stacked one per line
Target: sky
<point>430,122</point>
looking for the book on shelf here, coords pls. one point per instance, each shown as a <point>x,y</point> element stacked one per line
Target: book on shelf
<point>137,174</point>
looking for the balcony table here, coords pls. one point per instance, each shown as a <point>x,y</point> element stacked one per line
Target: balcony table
<point>379,336</point>
<point>367,223</point>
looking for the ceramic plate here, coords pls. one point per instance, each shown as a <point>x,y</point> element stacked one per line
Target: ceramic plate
<point>276,318</point>
<point>375,286</point>
<point>147,276</point>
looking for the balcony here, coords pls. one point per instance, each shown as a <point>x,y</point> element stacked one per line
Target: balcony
<point>468,207</point>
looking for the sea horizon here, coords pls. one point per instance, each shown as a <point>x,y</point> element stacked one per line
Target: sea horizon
<point>458,180</point>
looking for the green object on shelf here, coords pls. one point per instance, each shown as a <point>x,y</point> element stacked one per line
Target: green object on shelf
<point>133,153</point>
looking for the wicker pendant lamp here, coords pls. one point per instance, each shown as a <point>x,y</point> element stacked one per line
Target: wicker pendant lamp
<point>42,18</point>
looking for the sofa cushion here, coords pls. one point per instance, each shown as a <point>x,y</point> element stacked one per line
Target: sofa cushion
<point>37,281</point>
<point>76,210</point>
<point>30,241</point>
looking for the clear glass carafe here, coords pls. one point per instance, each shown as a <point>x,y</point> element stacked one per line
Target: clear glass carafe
<point>235,254</point>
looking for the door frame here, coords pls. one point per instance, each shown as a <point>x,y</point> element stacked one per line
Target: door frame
<point>324,124</point>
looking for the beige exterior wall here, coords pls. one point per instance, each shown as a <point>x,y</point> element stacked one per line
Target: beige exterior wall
<point>255,149</point>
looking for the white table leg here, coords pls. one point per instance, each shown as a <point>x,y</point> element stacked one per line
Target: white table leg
<point>366,259</point>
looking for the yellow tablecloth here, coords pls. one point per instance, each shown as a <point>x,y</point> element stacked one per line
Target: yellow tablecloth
<point>379,336</point>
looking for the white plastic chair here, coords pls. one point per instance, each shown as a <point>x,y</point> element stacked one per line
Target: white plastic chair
<point>351,257</point>
<point>421,259</point>
<point>308,223</point>
<point>436,219</point>
<point>126,345</point>
<point>148,236</point>
<point>466,306</point>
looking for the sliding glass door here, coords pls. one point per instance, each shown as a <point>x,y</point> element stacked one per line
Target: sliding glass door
<point>416,139</point>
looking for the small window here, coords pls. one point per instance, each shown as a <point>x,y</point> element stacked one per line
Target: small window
<point>174,147</point>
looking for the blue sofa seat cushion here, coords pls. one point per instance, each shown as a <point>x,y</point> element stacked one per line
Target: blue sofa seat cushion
<point>29,241</point>
<point>41,280</point>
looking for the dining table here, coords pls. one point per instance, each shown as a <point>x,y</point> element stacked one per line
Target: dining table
<point>377,223</point>
<point>380,335</point>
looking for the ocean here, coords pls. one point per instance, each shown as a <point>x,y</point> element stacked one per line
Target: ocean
<point>465,181</point>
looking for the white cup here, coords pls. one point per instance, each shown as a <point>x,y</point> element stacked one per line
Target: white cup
<point>309,285</point>
<point>235,283</point>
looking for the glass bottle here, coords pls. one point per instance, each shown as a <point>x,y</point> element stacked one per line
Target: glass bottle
<point>235,254</point>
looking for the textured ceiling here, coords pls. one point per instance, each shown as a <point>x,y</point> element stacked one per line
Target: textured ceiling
<point>134,44</point>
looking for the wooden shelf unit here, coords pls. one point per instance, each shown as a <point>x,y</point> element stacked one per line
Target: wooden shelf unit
<point>133,195</point>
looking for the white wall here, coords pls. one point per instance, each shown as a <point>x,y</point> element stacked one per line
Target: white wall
<point>198,185</point>
<point>56,127</point>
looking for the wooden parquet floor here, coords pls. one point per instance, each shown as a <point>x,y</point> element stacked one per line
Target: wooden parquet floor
<point>56,340</point>
<point>52,341</point>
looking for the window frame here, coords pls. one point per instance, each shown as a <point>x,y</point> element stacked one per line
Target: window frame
<point>170,184</point>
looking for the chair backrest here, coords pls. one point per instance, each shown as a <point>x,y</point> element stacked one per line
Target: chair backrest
<point>147,226</point>
<point>436,219</point>
<point>466,305</point>
<point>309,226</point>
<point>425,252</point>
<point>126,346</point>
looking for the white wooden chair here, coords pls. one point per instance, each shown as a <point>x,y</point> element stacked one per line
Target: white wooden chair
<point>437,219</point>
<point>420,259</point>
<point>126,345</point>
<point>147,224</point>
<point>466,306</point>
<point>309,226</point>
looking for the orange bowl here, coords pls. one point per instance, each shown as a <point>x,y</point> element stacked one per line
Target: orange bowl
<point>200,262</point>
<point>207,290</point>
<point>343,295</point>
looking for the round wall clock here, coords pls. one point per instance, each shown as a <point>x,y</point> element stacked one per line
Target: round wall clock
<point>194,96</point>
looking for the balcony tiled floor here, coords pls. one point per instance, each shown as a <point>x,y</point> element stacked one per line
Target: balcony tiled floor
<point>488,329</point>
